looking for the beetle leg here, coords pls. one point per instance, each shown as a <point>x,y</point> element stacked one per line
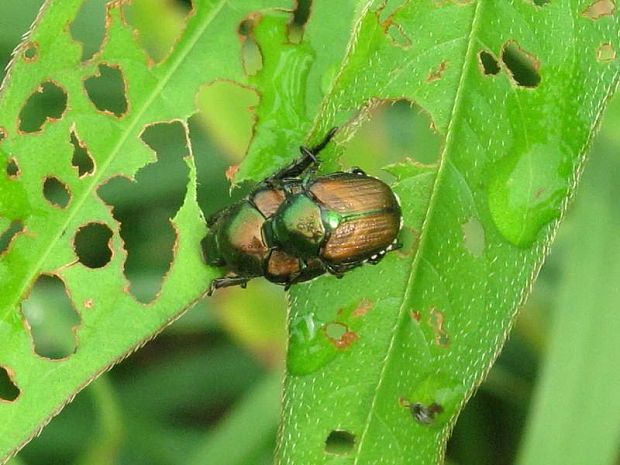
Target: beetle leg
<point>308,159</point>
<point>375,259</point>
<point>229,281</point>
<point>331,269</point>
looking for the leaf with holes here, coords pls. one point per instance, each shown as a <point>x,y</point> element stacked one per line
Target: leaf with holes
<point>379,362</point>
<point>76,138</point>
<point>515,89</point>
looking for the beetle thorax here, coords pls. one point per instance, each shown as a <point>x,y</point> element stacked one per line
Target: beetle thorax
<point>297,227</point>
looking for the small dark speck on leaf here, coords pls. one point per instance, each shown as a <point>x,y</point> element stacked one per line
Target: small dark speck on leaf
<point>340,442</point>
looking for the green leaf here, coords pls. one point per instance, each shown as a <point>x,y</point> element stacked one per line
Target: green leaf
<point>515,137</point>
<point>112,321</point>
<point>575,415</point>
<point>514,89</point>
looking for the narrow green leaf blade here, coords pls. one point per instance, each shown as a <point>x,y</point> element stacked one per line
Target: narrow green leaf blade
<point>423,328</point>
<point>112,322</point>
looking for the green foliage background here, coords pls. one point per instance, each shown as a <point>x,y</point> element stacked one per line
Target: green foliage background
<point>207,389</point>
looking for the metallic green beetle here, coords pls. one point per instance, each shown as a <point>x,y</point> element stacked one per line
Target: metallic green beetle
<point>296,226</point>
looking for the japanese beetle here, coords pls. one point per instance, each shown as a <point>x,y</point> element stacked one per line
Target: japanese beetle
<point>296,226</point>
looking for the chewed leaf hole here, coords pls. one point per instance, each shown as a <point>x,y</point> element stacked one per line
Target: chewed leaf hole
<point>540,2</point>
<point>340,442</point>
<point>398,36</point>
<point>7,236</point>
<point>107,90</point>
<point>92,245</point>
<point>339,335</point>
<point>47,103</point>
<point>251,55</point>
<point>81,158</point>
<point>12,168</point>
<point>56,192</point>
<point>605,53</point>
<point>301,13</point>
<point>158,37</point>
<point>599,9</point>
<point>8,390</point>
<point>31,52</point>
<point>522,66</point>
<point>88,27</point>
<point>161,184</point>
<point>473,236</point>
<point>227,111</point>
<point>488,63</point>
<point>51,318</point>
<point>393,131</point>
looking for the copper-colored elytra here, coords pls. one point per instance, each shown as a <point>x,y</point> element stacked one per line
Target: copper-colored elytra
<point>370,194</point>
<point>362,234</point>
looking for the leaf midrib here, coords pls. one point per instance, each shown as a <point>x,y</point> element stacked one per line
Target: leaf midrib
<point>425,228</point>
<point>133,122</point>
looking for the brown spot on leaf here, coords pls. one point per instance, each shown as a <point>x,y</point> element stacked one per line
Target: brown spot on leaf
<point>92,245</point>
<point>46,104</point>
<point>89,303</point>
<point>437,73</point>
<point>231,171</point>
<point>362,308</point>
<point>107,90</point>
<point>599,9</point>
<point>415,315</point>
<point>437,322</point>
<point>605,53</point>
<point>522,66</point>
<point>51,318</point>
<point>56,192</point>
<point>31,52</point>
<point>339,336</point>
<point>9,391</point>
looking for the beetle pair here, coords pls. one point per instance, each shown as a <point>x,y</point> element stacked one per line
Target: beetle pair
<point>296,226</point>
